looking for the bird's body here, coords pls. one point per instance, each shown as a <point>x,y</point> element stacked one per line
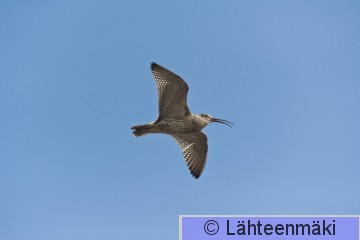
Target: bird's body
<point>176,119</point>
<point>189,124</point>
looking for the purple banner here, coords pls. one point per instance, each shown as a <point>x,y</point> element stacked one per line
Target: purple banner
<point>269,227</point>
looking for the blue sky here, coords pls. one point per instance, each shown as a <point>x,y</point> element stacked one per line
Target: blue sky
<point>74,77</point>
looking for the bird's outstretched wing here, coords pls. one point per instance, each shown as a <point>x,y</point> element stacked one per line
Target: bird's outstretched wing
<point>194,148</point>
<point>172,93</point>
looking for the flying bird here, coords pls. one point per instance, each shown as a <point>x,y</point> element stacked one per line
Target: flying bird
<point>176,119</point>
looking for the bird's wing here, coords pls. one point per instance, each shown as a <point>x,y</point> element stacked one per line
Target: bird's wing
<point>194,148</point>
<point>172,93</point>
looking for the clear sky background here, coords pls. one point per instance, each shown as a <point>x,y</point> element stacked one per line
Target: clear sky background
<point>75,76</point>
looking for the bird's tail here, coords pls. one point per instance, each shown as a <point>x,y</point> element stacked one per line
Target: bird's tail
<point>141,130</point>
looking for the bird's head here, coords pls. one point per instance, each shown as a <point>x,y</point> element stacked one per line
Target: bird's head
<point>209,119</point>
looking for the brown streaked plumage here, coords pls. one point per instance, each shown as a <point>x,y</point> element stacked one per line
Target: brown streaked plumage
<point>176,119</point>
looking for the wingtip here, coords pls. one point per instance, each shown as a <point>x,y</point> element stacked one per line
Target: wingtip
<point>153,65</point>
<point>196,175</point>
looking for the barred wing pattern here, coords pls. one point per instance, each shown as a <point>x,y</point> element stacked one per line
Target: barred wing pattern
<point>194,148</point>
<point>172,93</point>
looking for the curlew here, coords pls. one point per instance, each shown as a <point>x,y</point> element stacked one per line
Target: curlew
<point>176,119</point>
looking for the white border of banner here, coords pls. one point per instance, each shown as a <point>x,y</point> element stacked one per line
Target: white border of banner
<point>245,216</point>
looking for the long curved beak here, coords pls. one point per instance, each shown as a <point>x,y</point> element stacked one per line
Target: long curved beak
<point>230,124</point>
